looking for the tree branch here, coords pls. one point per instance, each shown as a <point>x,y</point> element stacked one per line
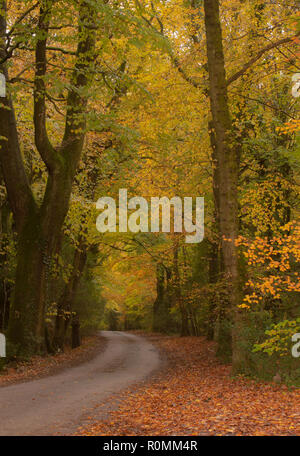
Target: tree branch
<point>16,182</point>
<point>58,49</point>
<point>75,125</point>
<point>254,59</point>
<point>42,142</point>
<point>173,58</point>
<point>21,18</point>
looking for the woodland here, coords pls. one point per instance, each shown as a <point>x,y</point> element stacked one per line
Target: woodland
<point>187,98</point>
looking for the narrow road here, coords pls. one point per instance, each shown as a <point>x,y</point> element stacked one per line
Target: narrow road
<point>60,403</point>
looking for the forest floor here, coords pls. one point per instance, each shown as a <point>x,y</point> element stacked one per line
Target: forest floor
<point>194,394</point>
<point>43,366</point>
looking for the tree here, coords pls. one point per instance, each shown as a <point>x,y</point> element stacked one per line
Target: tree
<point>39,225</point>
<point>227,155</point>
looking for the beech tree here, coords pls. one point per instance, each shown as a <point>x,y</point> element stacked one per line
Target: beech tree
<point>39,225</point>
<point>227,152</point>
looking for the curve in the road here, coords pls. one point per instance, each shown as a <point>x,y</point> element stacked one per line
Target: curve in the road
<point>56,404</point>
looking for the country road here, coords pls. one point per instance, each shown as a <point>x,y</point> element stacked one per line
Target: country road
<point>59,404</point>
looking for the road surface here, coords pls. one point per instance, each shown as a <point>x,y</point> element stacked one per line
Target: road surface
<point>60,403</point>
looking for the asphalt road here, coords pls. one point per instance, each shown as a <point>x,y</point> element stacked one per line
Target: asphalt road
<point>60,403</point>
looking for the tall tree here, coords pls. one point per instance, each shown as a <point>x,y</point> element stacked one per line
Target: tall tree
<point>226,151</point>
<point>39,225</point>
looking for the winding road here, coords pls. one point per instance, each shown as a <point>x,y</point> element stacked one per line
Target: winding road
<point>60,403</point>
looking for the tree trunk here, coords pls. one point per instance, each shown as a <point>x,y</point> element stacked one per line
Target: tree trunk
<point>65,304</point>
<point>5,284</point>
<point>36,245</point>
<point>177,291</point>
<point>213,275</point>
<point>75,332</point>
<point>26,326</point>
<point>225,150</point>
<point>160,315</point>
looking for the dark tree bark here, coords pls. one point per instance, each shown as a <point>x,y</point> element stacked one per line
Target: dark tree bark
<point>160,310</point>
<point>5,285</point>
<point>65,304</point>
<point>177,291</point>
<point>76,340</point>
<point>213,277</point>
<point>225,151</point>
